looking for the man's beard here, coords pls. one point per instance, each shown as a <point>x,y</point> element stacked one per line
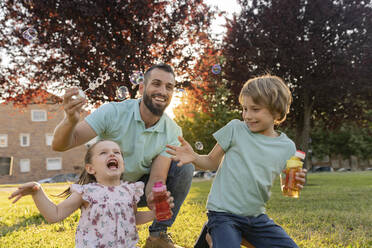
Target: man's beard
<point>158,111</point>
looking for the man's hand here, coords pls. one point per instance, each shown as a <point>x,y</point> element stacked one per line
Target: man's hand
<point>151,203</point>
<point>73,107</point>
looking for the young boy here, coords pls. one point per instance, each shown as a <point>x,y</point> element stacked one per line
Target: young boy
<point>252,154</point>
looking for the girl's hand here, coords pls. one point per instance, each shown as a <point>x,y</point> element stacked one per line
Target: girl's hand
<point>184,154</point>
<point>26,189</point>
<point>301,178</point>
<point>151,203</point>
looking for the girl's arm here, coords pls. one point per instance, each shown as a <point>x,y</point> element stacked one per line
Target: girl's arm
<point>143,217</point>
<point>185,154</point>
<point>51,212</point>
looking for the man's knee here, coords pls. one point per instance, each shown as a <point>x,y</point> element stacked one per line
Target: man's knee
<point>188,170</point>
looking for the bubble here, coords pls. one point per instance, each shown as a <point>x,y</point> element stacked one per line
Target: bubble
<point>122,93</point>
<point>92,86</point>
<point>30,34</point>
<point>106,77</point>
<point>137,77</point>
<point>140,80</point>
<point>100,81</point>
<point>199,145</point>
<point>216,69</point>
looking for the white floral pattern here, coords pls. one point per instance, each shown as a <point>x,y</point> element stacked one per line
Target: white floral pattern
<point>109,220</point>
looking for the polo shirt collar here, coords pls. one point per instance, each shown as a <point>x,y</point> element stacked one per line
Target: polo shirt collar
<point>158,127</point>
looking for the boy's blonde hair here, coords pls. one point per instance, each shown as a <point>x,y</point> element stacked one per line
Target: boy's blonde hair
<point>271,92</point>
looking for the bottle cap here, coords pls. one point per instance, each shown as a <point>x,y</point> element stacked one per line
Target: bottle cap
<point>300,154</point>
<point>159,187</point>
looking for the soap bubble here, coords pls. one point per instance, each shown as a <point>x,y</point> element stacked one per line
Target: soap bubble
<point>30,34</point>
<point>216,69</point>
<point>199,145</point>
<point>137,77</point>
<point>92,86</point>
<point>99,81</point>
<point>122,93</point>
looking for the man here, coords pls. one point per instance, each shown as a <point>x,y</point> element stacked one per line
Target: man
<point>142,130</point>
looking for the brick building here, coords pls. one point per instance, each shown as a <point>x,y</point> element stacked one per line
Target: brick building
<point>25,143</point>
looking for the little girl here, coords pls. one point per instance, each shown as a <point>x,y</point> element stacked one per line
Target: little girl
<point>108,205</point>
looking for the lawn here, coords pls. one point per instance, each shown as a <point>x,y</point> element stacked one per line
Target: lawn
<point>334,210</point>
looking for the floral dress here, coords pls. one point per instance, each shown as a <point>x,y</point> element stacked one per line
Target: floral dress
<point>109,220</point>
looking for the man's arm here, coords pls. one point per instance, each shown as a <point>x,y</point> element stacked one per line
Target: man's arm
<point>67,136</point>
<point>159,172</point>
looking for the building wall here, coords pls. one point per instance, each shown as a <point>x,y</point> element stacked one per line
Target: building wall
<point>13,122</point>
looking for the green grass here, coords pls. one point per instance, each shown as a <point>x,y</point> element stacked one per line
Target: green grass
<point>334,210</point>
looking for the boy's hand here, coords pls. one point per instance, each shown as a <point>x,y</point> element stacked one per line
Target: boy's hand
<point>26,189</point>
<point>301,178</point>
<point>151,203</point>
<point>184,154</point>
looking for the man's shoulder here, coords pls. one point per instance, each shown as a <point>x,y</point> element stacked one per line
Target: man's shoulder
<point>124,106</point>
<point>170,122</point>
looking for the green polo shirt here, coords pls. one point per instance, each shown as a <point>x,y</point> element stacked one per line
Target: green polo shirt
<point>251,163</point>
<point>121,122</point>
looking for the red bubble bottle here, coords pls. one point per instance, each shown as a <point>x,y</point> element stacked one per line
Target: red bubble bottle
<point>162,208</point>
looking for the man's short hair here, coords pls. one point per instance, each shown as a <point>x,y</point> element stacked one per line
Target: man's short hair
<point>161,66</point>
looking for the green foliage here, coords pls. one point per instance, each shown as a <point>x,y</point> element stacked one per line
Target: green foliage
<point>200,125</point>
<point>347,140</point>
<point>325,216</point>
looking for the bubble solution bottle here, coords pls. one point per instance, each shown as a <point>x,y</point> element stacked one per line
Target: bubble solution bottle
<point>289,184</point>
<point>162,207</point>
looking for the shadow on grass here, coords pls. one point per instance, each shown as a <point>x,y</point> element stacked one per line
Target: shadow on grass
<point>36,219</point>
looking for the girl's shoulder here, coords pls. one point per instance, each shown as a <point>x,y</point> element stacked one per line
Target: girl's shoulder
<point>83,188</point>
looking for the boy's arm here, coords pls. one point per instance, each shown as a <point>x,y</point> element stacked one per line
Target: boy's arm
<point>185,154</point>
<point>51,212</point>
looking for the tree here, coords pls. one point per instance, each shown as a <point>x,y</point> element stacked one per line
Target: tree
<point>206,106</point>
<point>322,48</point>
<point>79,41</point>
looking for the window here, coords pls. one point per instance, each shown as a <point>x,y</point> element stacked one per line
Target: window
<point>6,166</point>
<point>24,165</point>
<point>3,140</point>
<point>38,115</point>
<point>48,139</point>
<point>24,139</point>
<point>54,163</point>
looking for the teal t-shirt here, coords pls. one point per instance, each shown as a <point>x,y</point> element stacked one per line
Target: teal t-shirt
<point>251,163</point>
<point>121,122</point>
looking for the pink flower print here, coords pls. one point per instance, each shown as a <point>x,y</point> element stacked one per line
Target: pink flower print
<point>131,220</point>
<point>96,219</point>
<point>121,240</point>
<point>111,188</point>
<point>123,215</point>
<point>126,188</point>
<point>98,234</point>
<point>109,214</point>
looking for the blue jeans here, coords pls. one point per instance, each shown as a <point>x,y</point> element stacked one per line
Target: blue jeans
<point>228,229</point>
<point>178,183</point>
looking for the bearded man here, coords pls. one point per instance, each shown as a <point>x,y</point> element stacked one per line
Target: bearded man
<point>142,130</point>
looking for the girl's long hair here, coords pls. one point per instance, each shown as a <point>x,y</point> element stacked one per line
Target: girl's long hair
<point>84,177</point>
